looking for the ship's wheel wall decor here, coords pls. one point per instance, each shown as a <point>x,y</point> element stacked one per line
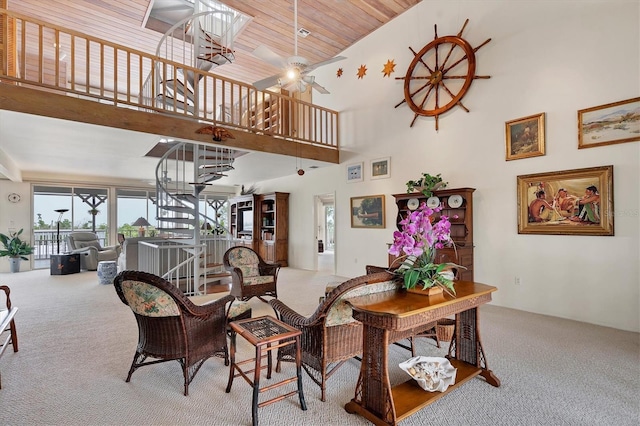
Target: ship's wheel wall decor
<point>439,75</point>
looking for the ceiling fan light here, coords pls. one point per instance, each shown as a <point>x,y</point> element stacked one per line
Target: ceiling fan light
<point>293,73</point>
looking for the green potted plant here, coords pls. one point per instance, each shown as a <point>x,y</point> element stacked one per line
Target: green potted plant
<point>426,184</point>
<point>15,249</point>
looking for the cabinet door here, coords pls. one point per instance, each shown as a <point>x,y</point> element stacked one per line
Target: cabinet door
<point>269,252</point>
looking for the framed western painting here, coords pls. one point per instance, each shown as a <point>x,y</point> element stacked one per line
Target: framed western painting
<point>525,137</point>
<point>381,168</point>
<point>608,124</point>
<point>569,202</point>
<point>355,172</point>
<point>367,212</point>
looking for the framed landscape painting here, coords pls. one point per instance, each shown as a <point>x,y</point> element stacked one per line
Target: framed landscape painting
<point>569,202</point>
<point>525,137</point>
<point>367,212</point>
<point>609,124</point>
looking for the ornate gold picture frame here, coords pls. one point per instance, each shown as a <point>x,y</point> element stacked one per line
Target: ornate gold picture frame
<point>569,202</point>
<point>525,137</point>
<point>617,122</point>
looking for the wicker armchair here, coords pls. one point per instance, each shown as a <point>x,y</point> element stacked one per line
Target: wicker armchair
<point>251,276</point>
<point>331,336</point>
<point>171,327</point>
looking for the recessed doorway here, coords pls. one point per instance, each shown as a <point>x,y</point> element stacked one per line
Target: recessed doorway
<point>325,232</point>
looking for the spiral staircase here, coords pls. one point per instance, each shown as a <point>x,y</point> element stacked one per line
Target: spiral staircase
<point>203,41</point>
<point>186,257</point>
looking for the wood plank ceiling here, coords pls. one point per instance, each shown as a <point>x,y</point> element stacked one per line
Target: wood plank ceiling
<point>334,26</point>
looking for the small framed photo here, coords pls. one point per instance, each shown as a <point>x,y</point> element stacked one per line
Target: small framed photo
<point>355,172</point>
<point>525,137</point>
<point>617,122</point>
<point>381,168</point>
<point>367,212</point>
<point>569,202</point>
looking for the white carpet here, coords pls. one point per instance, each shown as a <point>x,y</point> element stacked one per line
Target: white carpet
<point>77,341</point>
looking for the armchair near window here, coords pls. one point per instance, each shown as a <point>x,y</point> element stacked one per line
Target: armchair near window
<point>91,252</point>
<point>251,275</point>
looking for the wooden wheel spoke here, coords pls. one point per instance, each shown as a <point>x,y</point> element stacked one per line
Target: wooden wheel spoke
<point>465,56</point>
<point>421,61</point>
<point>426,96</point>
<point>459,103</point>
<point>400,103</point>
<point>463,27</point>
<point>454,77</point>
<point>422,88</point>
<point>453,46</point>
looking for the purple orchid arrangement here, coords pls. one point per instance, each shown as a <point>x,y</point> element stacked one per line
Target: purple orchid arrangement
<point>417,243</point>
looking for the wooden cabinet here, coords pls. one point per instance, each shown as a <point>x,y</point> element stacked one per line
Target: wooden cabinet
<point>261,221</point>
<point>461,218</point>
<point>272,229</point>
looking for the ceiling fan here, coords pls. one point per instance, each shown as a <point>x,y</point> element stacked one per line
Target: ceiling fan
<point>295,69</point>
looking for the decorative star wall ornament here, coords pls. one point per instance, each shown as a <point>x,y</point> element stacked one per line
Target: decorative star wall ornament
<point>441,72</point>
<point>389,68</point>
<point>339,73</point>
<point>362,71</point>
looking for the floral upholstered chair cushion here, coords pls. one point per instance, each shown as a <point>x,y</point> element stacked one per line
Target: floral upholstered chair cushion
<point>247,261</point>
<point>340,312</point>
<point>148,300</point>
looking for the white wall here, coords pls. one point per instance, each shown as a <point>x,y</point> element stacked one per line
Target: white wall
<point>545,56</point>
<point>15,216</point>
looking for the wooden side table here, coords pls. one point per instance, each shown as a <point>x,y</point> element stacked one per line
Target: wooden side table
<point>382,315</point>
<point>266,334</point>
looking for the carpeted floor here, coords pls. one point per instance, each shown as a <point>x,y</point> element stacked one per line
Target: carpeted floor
<point>77,341</point>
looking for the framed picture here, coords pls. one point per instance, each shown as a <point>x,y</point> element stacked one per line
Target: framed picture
<point>525,137</point>
<point>355,172</point>
<point>608,124</point>
<point>381,168</point>
<point>367,212</point>
<point>570,202</point>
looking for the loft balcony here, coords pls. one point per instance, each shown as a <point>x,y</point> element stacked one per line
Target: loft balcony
<point>52,71</point>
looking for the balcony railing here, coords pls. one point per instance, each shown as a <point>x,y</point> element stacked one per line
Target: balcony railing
<point>48,57</point>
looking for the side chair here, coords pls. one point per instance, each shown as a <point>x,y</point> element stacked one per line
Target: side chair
<point>8,325</point>
<point>330,336</point>
<point>171,327</point>
<point>250,274</point>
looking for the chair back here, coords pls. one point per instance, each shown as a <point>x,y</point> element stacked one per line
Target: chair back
<point>340,312</point>
<point>149,295</point>
<point>244,259</point>
<point>148,300</point>
<point>78,240</point>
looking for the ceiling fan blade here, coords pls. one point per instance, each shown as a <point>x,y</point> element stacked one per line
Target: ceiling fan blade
<point>269,56</point>
<point>265,83</point>
<point>319,88</point>
<point>328,61</point>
